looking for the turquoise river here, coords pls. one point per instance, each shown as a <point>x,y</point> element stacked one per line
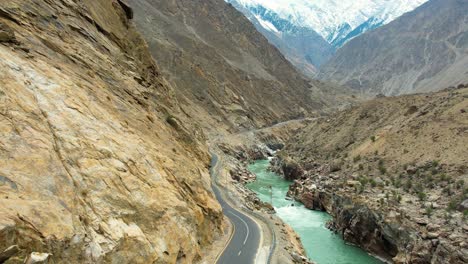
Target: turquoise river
<point>321,245</point>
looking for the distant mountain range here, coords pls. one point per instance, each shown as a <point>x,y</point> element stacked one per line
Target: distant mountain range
<point>309,31</point>
<point>423,50</point>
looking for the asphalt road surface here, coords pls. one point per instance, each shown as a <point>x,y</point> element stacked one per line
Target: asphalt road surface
<point>244,244</point>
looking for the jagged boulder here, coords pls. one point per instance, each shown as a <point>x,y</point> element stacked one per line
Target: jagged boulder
<point>291,169</point>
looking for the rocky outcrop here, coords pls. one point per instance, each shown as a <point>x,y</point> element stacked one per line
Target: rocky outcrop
<point>242,175</point>
<point>388,236</point>
<point>290,169</point>
<point>90,162</point>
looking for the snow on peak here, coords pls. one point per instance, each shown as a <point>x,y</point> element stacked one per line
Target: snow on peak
<point>333,19</point>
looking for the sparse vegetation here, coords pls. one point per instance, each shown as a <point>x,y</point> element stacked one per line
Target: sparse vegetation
<point>460,184</point>
<point>422,195</point>
<point>357,158</point>
<point>429,211</point>
<point>452,205</point>
<point>372,138</point>
<point>382,168</point>
<point>408,185</point>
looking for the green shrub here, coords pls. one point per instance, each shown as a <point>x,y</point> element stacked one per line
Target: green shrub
<point>363,181</point>
<point>357,158</point>
<point>460,184</point>
<point>443,177</point>
<point>452,205</point>
<point>429,211</point>
<point>361,188</point>
<point>382,169</point>
<point>422,196</point>
<point>429,178</point>
<point>408,185</point>
<point>372,138</point>
<point>397,183</point>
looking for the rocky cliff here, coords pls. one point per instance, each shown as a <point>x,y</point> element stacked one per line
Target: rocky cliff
<point>392,172</point>
<point>92,138</point>
<point>217,59</point>
<point>424,50</point>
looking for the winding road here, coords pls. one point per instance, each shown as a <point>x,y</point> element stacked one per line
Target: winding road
<point>245,241</point>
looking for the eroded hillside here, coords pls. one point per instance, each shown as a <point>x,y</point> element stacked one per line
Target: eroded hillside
<point>90,146</point>
<point>392,172</point>
<point>217,59</point>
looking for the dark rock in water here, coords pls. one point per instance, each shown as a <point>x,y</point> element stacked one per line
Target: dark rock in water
<point>291,170</point>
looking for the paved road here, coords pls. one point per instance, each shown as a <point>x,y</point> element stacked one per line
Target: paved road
<point>243,247</point>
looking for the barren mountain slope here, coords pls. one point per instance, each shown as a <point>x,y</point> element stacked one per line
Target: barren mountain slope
<point>217,59</point>
<point>392,172</point>
<point>90,145</point>
<point>423,50</point>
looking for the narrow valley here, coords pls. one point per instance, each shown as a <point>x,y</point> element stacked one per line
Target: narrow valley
<point>233,132</point>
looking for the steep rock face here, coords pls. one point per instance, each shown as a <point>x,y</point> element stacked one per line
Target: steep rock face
<point>423,50</point>
<point>91,142</point>
<point>216,58</point>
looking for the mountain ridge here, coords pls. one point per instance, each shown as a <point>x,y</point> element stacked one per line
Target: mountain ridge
<point>422,50</point>
<point>334,21</point>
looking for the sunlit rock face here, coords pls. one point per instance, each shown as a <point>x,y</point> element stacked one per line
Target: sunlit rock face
<point>91,142</point>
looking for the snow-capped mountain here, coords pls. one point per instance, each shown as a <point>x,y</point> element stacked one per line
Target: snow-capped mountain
<point>337,21</point>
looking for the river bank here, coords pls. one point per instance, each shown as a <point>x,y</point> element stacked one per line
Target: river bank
<point>321,244</point>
